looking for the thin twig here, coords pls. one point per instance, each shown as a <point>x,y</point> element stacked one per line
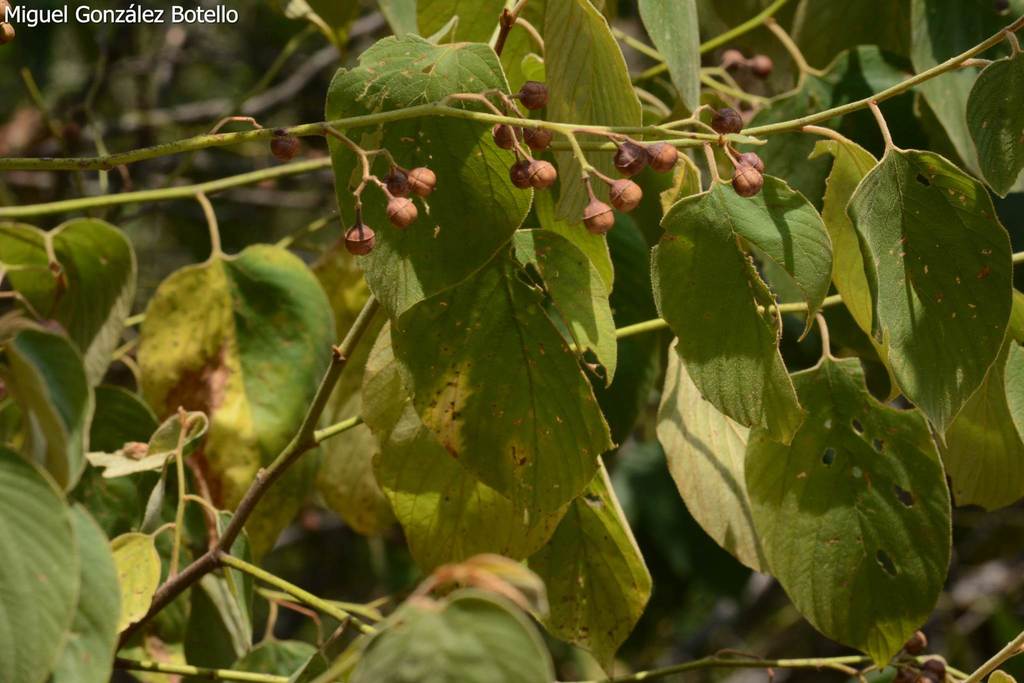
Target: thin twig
<point>211,223</point>
<point>882,125</point>
<point>196,671</point>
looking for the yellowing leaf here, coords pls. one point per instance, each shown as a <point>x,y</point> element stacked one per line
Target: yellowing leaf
<point>138,573</point>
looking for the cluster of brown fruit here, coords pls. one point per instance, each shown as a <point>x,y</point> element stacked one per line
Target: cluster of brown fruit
<point>528,172</point>
<point>928,671</point>
<point>759,65</point>
<point>6,30</point>
<point>748,178</point>
<point>630,158</point>
<point>398,185</point>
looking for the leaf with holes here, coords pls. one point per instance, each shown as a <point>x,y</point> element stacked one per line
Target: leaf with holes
<point>597,582</point>
<point>138,573</point>
<point>448,515</point>
<point>45,375</point>
<point>469,636</point>
<point>995,117</point>
<point>674,30</point>
<point>442,248</point>
<point>502,390</point>
<point>92,290</point>
<point>728,332</point>
<point>39,580</point>
<point>983,453</point>
<point>577,292</point>
<point>705,452</point>
<point>939,267</point>
<point>244,339</point>
<point>588,84</point>
<point>854,516</point>
<point>88,653</point>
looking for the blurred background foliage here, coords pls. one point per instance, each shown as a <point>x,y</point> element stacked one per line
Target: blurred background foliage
<point>129,86</point>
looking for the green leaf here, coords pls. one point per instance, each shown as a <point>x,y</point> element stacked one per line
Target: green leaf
<point>475,208</point>
<point>470,637</point>
<point>138,573</point>
<point>730,345</point>
<point>91,290</point>
<point>983,454</point>
<point>576,290</point>
<point>596,578</point>
<point>345,477</point>
<point>854,516</point>
<point>400,15</point>
<point>501,389</point>
<point>673,28</point>
<point>588,83</point>
<point>853,74</point>
<point>995,117</point>
<point>477,19</point>
<point>941,29</point>
<point>245,340</point>
<point>594,246</point>
<point>852,162</point>
<point>46,377</point>
<point>447,514</point>
<point>135,457</point>
<point>120,416</point>
<point>939,268</point>
<point>280,657</point>
<point>39,580</point>
<point>88,653</point>
<point>1014,383</point>
<point>824,28</point>
<point>705,452</point>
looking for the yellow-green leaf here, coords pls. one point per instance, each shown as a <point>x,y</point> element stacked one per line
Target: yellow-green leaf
<point>138,573</point>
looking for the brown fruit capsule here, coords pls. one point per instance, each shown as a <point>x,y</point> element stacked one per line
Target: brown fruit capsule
<point>7,33</point>
<point>936,667</point>
<point>505,136</point>
<point>538,139</point>
<point>732,59</point>
<point>541,173</point>
<point>727,120</point>
<point>598,217</point>
<point>519,174</point>
<point>401,212</point>
<point>398,183</point>
<point>422,181</point>
<point>625,194</point>
<point>1001,6</point>
<point>630,159</point>
<point>747,181</point>
<point>359,239</point>
<point>533,95</point>
<point>751,159</point>
<point>905,676</point>
<point>916,644</point>
<point>284,147</point>
<point>761,65</point>
<point>662,157</point>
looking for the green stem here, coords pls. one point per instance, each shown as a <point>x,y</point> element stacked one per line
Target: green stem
<point>1012,649</point>
<point>659,324</point>
<point>291,589</point>
<point>322,435</point>
<point>196,671</point>
<point>166,193</point>
<point>949,65</point>
<point>179,515</point>
<point>716,662</point>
